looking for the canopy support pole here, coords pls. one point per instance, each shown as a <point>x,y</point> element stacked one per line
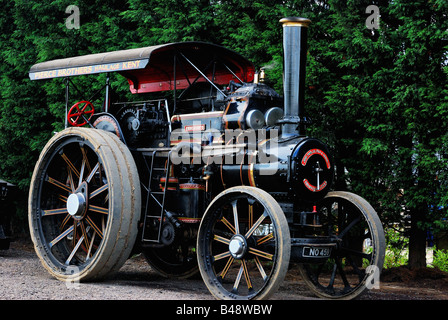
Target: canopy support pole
<point>175,86</point>
<point>202,74</point>
<point>67,84</point>
<point>107,98</point>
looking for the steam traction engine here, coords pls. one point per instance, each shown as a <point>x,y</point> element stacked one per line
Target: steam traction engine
<point>219,178</point>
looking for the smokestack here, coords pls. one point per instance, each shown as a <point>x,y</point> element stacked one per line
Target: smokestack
<point>295,34</point>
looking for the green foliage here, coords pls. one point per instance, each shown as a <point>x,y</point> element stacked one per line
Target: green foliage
<point>440,260</point>
<point>396,249</point>
<point>378,97</point>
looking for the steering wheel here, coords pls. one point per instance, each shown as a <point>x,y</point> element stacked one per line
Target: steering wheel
<point>77,114</point>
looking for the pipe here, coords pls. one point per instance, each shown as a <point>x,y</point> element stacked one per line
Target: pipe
<point>295,34</point>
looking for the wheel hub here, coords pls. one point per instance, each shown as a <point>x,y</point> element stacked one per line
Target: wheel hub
<point>76,205</point>
<point>238,246</point>
<point>168,234</point>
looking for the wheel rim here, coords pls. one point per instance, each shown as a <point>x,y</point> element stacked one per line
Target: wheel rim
<point>73,204</point>
<point>356,262</point>
<point>241,248</point>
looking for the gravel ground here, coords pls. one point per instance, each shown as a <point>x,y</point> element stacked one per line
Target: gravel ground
<point>22,277</point>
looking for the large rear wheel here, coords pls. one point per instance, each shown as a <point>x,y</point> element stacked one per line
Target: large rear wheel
<point>84,204</point>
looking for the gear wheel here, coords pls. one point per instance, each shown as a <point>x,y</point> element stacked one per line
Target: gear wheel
<point>168,234</point>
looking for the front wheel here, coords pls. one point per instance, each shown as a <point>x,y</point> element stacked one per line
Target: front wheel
<point>84,204</point>
<point>243,244</point>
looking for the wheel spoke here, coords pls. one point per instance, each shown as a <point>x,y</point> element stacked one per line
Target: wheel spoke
<point>221,256</point>
<point>86,160</point>
<point>61,236</point>
<point>106,198</point>
<point>342,274</point>
<point>54,212</point>
<point>221,239</point>
<point>256,225</point>
<point>84,234</point>
<point>246,274</point>
<point>92,172</point>
<point>70,180</point>
<point>75,233</point>
<point>228,224</point>
<point>333,276</point>
<point>235,217</point>
<point>62,198</point>
<point>356,253</point>
<point>318,272</point>
<point>70,165</point>
<point>81,173</point>
<point>238,279</point>
<point>251,215</point>
<point>64,222</point>
<point>76,247</point>
<point>265,238</point>
<point>94,226</point>
<point>361,273</point>
<point>59,184</point>
<point>224,271</point>
<point>260,268</point>
<point>99,209</point>
<point>260,253</point>
<point>98,191</point>
<point>89,252</point>
<point>349,226</point>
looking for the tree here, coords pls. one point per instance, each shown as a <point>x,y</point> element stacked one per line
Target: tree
<point>34,31</point>
<point>384,96</point>
<point>379,97</point>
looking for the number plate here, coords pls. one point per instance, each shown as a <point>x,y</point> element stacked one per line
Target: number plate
<point>316,252</point>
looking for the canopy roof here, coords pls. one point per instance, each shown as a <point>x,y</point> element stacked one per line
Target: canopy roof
<point>156,68</point>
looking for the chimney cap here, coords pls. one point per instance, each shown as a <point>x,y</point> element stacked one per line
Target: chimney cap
<point>295,21</point>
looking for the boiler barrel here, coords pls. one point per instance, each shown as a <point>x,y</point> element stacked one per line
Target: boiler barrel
<point>301,167</point>
<point>267,167</point>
